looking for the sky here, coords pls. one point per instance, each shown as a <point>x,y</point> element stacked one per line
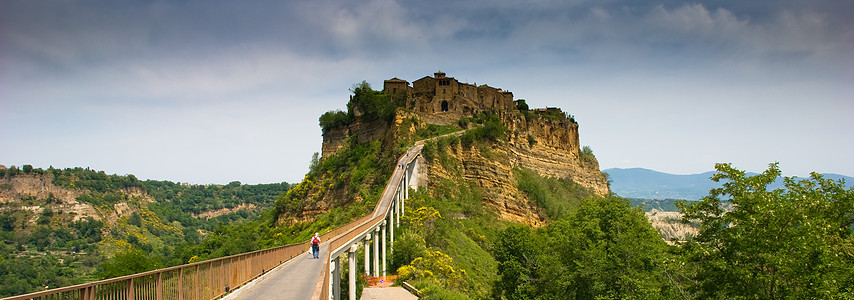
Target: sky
<point>209,92</point>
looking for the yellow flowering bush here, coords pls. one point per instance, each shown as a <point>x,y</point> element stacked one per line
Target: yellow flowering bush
<point>433,266</point>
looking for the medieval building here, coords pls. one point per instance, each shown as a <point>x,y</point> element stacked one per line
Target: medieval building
<point>444,99</point>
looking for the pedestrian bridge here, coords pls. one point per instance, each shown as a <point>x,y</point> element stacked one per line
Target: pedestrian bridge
<point>286,272</point>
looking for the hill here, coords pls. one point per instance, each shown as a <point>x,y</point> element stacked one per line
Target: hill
<point>501,164</point>
<point>648,184</point>
<point>67,226</point>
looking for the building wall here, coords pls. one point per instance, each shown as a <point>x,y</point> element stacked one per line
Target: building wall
<point>427,95</point>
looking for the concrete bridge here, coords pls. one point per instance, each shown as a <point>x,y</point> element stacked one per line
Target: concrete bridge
<point>307,278</point>
<point>286,272</point>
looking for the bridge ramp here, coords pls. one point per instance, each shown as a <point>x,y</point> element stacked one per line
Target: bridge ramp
<point>295,279</point>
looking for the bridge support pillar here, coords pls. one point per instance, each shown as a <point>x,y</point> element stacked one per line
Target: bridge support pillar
<point>406,180</point>
<point>391,232</point>
<point>382,233</point>
<point>399,199</point>
<point>403,197</point>
<point>368,255</point>
<point>336,278</point>
<point>377,252</point>
<point>352,271</point>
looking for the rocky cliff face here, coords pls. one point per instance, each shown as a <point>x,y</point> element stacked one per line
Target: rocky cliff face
<point>550,147</point>
<point>543,140</point>
<point>364,131</point>
<point>546,146</point>
<point>35,193</point>
<point>490,169</point>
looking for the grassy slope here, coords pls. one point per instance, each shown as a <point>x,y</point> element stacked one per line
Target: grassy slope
<point>55,250</point>
<point>467,228</point>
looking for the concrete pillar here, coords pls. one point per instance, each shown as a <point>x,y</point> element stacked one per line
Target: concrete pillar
<point>391,232</point>
<point>402,205</point>
<point>336,278</point>
<point>352,271</point>
<point>368,255</point>
<point>377,252</point>
<point>382,238</point>
<point>397,208</point>
<point>406,186</point>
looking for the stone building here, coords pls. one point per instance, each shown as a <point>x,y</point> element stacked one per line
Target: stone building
<point>444,99</point>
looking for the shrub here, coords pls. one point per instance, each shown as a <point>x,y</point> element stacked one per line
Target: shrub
<point>333,120</point>
<point>586,154</point>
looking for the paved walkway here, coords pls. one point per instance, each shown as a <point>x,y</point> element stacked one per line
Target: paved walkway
<point>301,278</point>
<point>295,279</point>
<point>387,293</point>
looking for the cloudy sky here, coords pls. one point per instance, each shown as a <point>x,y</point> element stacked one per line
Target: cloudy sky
<point>216,91</point>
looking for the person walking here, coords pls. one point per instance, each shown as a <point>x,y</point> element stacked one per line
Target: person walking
<point>315,245</point>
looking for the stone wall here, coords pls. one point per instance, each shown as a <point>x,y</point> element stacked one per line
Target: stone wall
<point>364,131</point>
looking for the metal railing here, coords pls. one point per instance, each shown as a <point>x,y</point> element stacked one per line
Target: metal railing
<point>208,279</point>
<point>214,278</point>
<point>359,227</point>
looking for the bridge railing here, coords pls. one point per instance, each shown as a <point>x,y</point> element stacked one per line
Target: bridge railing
<point>208,279</point>
<point>361,226</point>
<point>214,278</point>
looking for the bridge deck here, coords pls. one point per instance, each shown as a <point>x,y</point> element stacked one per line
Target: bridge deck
<point>295,279</point>
<point>301,277</point>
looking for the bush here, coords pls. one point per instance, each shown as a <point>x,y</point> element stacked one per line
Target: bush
<point>586,155</point>
<point>408,246</point>
<point>429,150</point>
<point>370,104</point>
<point>521,105</point>
<point>334,120</point>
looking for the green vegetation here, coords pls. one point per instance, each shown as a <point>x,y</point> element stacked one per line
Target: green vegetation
<point>360,170</point>
<point>522,105</point>
<point>493,130</point>
<point>558,197</point>
<point>334,119</point>
<point>647,205</point>
<point>365,103</point>
<point>605,249</point>
<point>792,243</point>
<point>445,243</point>
<point>586,155</point>
<point>50,246</point>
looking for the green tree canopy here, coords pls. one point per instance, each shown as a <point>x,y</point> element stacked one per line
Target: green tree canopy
<point>605,250</point>
<point>792,243</point>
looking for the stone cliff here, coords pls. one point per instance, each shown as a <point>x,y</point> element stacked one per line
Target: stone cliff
<point>548,147</point>
<point>544,140</point>
<point>36,193</point>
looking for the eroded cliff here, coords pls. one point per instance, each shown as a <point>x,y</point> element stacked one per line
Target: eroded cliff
<point>545,141</point>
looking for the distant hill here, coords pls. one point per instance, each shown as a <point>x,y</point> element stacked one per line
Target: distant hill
<point>649,184</point>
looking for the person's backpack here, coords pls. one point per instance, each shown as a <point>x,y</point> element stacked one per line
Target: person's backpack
<point>315,240</point>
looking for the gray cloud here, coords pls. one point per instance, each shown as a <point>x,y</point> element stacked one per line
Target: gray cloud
<point>101,76</point>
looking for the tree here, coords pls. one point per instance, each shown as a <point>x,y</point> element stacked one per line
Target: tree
<point>794,242</point>
<point>517,254</point>
<point>126,262</point>
<point>607,249</point>
<point>333,119</point>
<point>369,104</point>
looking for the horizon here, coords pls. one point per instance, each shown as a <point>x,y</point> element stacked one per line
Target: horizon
<point>209,93</point>
<point>244,183</point>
